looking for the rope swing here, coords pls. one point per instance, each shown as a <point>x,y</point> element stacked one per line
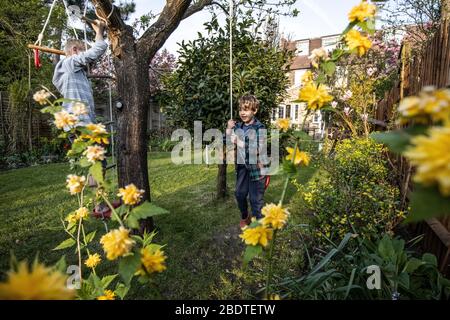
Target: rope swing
<point>231,58</point>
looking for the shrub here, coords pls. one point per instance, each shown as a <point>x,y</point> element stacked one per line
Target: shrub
<point>341,273</point>
<point>353,193</point>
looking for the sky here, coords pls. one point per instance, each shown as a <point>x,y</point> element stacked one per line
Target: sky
<point>317,18</point>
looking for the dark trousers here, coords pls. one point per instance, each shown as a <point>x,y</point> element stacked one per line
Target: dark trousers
<point>254,190</point>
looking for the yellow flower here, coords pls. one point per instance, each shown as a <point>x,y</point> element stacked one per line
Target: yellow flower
<point>41,96</point>
<point>356,41</point>
<point>95,139</point>
<point>362,12</point>
<point>107,295</point>
<point>64,119</point>
<point>430,103</point>
<point>130,194</point>
<point>75,183</point>
<point>274,297</point>
<point>300,156</point>
<point>93,260</point>
<point>97,128</point>
<point>72,218</point>
<point>37,283</point>
<point>315,96</point>
<point>79,109</point>
<point>307,77</point>
<point>95,153</point>
<point>283,124</point>
<point>431,155</point>
<point>258,235</point>
<point>82,213</point>
<point>152,260</point>
<point>274,215</point>
<point>117,243</point>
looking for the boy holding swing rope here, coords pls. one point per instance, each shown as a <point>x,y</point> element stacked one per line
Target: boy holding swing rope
<point>250,161</point>
<point>70,73</point>
<point>71,80</point>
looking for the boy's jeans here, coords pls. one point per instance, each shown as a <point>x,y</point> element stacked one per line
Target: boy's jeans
<point>253,189</point>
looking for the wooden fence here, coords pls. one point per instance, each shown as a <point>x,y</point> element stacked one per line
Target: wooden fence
<point>37,123</point>
<point>429,68</point>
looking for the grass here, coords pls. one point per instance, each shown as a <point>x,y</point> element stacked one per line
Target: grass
<point>200,233</point>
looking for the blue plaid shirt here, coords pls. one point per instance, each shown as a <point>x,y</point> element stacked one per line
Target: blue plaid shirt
<point>251,156</point>
<point>71,81</point>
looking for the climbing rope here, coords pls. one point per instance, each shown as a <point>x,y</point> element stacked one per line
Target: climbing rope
<point>231,58</point>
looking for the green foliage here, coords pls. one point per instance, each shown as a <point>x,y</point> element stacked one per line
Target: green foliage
<point>199,88</point>
<point>145,210</point>
<point>353,193</point>
<point>342,273</point>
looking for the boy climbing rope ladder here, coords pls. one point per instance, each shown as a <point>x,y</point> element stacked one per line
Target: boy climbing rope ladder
<point>70,76</point>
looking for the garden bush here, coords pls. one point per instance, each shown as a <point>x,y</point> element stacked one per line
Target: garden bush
<point>342,273</point>
<point>353,193</point>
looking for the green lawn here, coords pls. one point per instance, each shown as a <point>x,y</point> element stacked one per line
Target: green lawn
<point>201,233</point>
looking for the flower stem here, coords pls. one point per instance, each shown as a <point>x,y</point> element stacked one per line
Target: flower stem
<point>79,249</point>
<point>269,271</point>
<point>113,210</point>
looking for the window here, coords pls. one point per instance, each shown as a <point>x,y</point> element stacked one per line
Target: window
<point>303,48</point>
<point>317,117</point>
<point>280,112</point>
<point>288,111</point>
<point>274,114</point>
<point>298,76</point>
<point>330,43</point>
<point>296,117</point>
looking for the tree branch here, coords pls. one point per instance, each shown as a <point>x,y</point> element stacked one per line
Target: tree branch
<point>169,19</point>
<point>104,8</point>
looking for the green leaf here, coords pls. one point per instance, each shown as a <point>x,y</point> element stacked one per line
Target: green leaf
<point>79,146</point>
<point>403,280</point>
<point>51,109</point>
<point>128,266</point>
<point>251,252</point>
<point>106,280</point>
<point>329,67</point>
<point>331,254</point>
<point>397,141</point>
<point>65,244</point>
<point>349,27</point>
<point>90,236</point>
<point>385,248</point>
<point>61,265</point>
<point>121,290</point>
<point>145,210</point>
<point>84,163</point>
<point>96,170</point>
<point>430,258</point>
<point>412,265</point>
<point>427,202</point>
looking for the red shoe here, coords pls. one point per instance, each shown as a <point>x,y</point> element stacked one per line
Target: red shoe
<point>245,222</point>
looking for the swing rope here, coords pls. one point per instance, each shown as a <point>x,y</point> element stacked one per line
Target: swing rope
<point>68,15</point>
<point>41,35</point>
<point>231,58</point>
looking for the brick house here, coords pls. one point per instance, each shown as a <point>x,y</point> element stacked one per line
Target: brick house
<point>301,63</point>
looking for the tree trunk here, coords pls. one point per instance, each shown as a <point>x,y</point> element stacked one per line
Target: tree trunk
<point>222,181</point>
<point>132,85</point>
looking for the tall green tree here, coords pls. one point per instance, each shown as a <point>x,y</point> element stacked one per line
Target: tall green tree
<point>199,90</point>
